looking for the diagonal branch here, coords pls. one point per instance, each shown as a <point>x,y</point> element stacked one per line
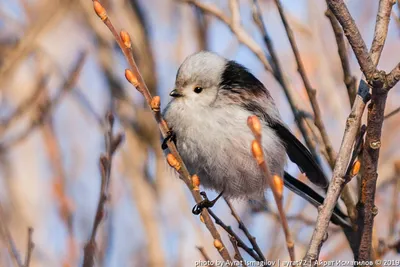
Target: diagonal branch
<point>134,77</point>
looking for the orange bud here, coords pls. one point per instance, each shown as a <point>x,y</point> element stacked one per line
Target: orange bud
<point>254,124</point>
<point>100,11</point>
<point>278,183</point>
<point>155,103</point>
<point>173,162</point>
<point>201,218</point>
<point>257,151</point>
<point>218,245</point>
<point>131,78</point>
<point>355,169</point>
<point>126,39</point>
<point>195,182</point>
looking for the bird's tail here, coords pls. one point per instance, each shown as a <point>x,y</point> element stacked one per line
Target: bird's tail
<point>306,192</point>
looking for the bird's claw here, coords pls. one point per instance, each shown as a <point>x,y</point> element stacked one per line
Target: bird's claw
<point>205,203</point>
<point>171,136</point>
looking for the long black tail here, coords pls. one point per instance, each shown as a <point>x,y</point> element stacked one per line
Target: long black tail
<point>306,192</point>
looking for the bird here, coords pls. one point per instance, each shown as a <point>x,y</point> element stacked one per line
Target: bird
<point>211,102</point>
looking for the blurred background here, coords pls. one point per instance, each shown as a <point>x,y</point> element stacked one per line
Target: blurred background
<point>61,71</point>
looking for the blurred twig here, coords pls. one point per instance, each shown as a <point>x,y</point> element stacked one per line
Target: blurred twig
<point>310,91</point>
<point>6,236</point>
<point>112,143</point>
<point>204,254</point>
<point>29,248</point>
<point>134,77</point>
<point>280,77</point>
<point>47,107</point>
<point>390,114</point>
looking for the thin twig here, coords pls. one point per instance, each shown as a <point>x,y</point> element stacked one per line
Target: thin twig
<point>349,79</point>
<point>45,109</point>
<point>237,256</point>
<point>280,77</point>
<point>134,77</point>
<point>29,248</point>
<point>112,143</point>
<point>390,114</point>
<point>204,254</point>
<point>243,227</point>
<point>240,242</point>
<point>310,91</point>
<point>6,236</point>
<point>24,106</point>
<point>275,183</point>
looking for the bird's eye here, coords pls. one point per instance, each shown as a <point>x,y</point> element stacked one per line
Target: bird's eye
<point>198,90</point>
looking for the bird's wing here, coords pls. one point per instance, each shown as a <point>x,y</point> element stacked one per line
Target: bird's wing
<point>300,155</point>
<point>304,191</point>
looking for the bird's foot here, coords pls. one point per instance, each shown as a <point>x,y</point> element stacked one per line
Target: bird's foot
<point>171,136</point>
<point>205,203</point>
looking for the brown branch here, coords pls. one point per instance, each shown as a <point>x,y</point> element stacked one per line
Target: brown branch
<point>29,248</point>
<point>204,254</point>
<point>6,236</point>
<point>310,91</point>
<point>112,143</point>
<point>342,14</point>
<point>237,256</point>
<point>349,79</point>
<point>134,77</point>
<point>46,108</point>
<point>275,183</point>
<point>239,241</point>
<point>24,106</point>
<point>392,113</point>
<point>243,227</point>
<point>338,181</point>
<point>366,205</point>
<point>393,77</point>
<point>280,77</point>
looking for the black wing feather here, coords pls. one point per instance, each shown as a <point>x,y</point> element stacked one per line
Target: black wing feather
<point>300,155</point>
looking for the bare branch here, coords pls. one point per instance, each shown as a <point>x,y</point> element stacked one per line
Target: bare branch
<point>352,33</point>
<point>349,79</point>
<point>112,143</point>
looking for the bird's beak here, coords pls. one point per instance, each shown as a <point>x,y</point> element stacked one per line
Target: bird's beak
<point>175,93</point>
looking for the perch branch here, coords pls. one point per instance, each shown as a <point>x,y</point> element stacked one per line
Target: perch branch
<point>134,77</point>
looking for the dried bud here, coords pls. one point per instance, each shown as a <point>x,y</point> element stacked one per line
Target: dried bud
<point>100,11</point>
<point>254,124</point>
<point>278,183</point>
<point>257,151</point>
<point>195,182</point>
<point>126,39</point>
<point>173,162</point>
<point>355,169</point>
<point>131,78</point>
<point>155,103</point>
<point>218,245</point>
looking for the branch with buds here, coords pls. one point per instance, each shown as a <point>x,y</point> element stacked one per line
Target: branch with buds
<point>134,77</point>
<point>275,182</point>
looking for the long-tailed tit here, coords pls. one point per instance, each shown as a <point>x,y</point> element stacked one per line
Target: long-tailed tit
<point>212,99</point>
